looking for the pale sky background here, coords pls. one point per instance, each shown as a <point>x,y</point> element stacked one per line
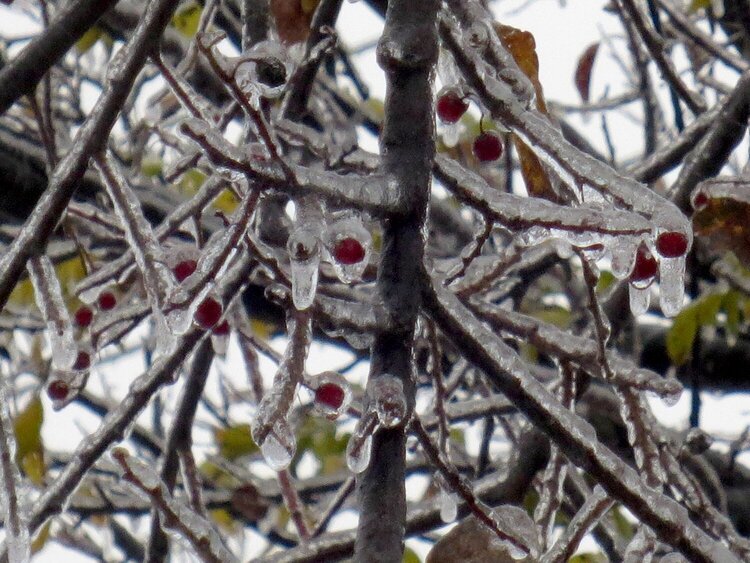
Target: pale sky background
<point>562,31</point>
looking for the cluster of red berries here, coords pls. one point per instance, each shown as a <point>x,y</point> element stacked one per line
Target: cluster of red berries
<point>670,244</point>
<point>450,107</point>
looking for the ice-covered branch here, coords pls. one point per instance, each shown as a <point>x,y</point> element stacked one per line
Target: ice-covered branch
<point>91,139</point>
<point>575,437</point>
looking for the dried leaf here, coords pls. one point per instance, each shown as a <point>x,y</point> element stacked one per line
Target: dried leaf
<point>247,501</point>
<point>724,223</point>
<point>522,46</point>
<point>292,18</point>
<point>583,70</point>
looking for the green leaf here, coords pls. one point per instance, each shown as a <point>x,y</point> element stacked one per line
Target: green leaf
<point>731,306</point>
<point>623,525</point>
<point>681,335</point>
<point>186,19</point>
<point>707,308</point>
<point>696,5</point>
<point>410,556</point>
<point>605,281</point>
<point>318,436</point>
<point>235,441</point>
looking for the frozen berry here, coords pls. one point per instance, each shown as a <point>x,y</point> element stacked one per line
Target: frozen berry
<point>83,316</point>
<point>58,390</point>
<point>348,251</point>
<point>83,361</point>
<point>183,269</point>
<point>700,200</point>
<point>107,300</point>
<point>451,106</point>
<point>671,244</point>
<point>331,395</point>
<point>487,147</point>
<point>221,329</point>
<point>208,313</point>
<point>645,265</point>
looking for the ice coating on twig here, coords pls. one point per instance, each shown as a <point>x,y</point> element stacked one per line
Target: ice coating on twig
<point>388,399</point>
<point>640,298</point>
<point>448,503</point>
<point>15,518</point>
<point>175,514</point>
<point>49,299</point>
<point>263,71</point>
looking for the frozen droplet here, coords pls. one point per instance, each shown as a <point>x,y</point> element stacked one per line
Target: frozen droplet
<point>63,346</point>
<point>358,452</point>
<point>447,70</point>
<point>671,285</point>
<point>639,298</point>
<point>448,505</point>
<point>478,35</point>
<point>279,447</point>
<point>671,398</point>
<point>387,395</point>
<point>623,249</point>
<point>304,255</point>
<point>533,235</point>
<point>264,70</point>
<point>219,343</point>
<point>348,245</point>
<point>515,551</point>
<point>451,133</point>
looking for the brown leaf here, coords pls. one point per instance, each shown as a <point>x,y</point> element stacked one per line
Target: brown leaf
<point>246,500</point>
<point>724,223</point>
<point>292,19</point>
<point>522,46</point>
<point>469,542</point>
<point>583,70</point>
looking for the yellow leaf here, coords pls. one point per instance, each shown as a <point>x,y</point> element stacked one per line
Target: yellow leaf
<point>226,201</point>
<point>696,5</point>
<point>88,39</point>
<point>186,19</point>
<point>224,520</point>
<point>27,428</point>
<point>41,538</point>
<point>261,328</point>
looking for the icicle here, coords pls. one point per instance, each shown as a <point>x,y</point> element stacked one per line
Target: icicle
<point>671,284</point>
<point>448,504</point>
<point>50,301</point>
<point>360,444</point>
<point>387,394</point>
<point>451,133</point>
<point>640,297</point>
<point>348,247</point>
<point>279,447</point>
<point>304,247</point>
<point>623,249</point>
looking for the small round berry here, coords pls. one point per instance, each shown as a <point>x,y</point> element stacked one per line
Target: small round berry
<point>208,313</point>
<point>330,395</point>
<point>450,106</point>
<point>348,251</point>
<point>221,329</point>
<point>645,265</point>
<point>700,200</point>
<point>671,244</point>
<point>83,316</point>
<point>487,147</point>
<point>58,390</point>
<point>107,300</point>
<point>83,361</point>
<point>183,269</point>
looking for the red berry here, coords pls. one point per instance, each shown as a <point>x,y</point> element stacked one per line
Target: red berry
<point>330,395</point>
<point>451,106</point>
<point>83,316</point>
<point>107,300</point>
<point>700,200</point>
<point>348,251</point>
<point>83,361</point>
<point>57,390</point>
<point>671,244</point>
<point>221,329</point>
<point>487,147</point>
<point>645,265</point>
<point>183,269</point>
<point>208,313</point>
